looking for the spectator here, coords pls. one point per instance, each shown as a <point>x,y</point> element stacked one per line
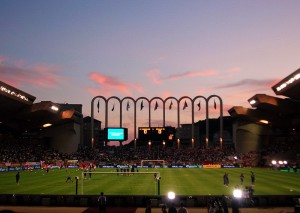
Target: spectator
<point>102,203</point>
<point>182,209</point>
<point>172,208</point>
<point>18,177</point>
<point>148,207</point>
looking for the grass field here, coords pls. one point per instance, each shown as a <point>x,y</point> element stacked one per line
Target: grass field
<point>182,181</point>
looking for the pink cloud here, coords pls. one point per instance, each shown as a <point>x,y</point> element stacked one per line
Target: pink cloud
<point>18,73</point>
<point>114,85</point>
<point>154,75</point>
<point>166,94</point>
<point>137,87</point>
<point>263,83</point>
<point>95,91</point>
<point>46,76</point>
<point>191,74</point>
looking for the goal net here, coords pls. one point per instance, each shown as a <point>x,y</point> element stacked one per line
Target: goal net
<point>153,163</point>
<point>120,182</point>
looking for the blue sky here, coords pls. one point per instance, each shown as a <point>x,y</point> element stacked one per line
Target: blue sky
<point>73,50</point>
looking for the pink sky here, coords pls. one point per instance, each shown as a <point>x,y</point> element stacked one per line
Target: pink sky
<point>71,52</point>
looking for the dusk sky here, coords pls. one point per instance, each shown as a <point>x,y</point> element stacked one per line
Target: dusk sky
<point>73,50</point>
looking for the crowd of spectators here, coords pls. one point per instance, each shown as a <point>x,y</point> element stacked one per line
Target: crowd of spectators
<point>17,152</point>
<point>282,150</point>
<point>20,151</point>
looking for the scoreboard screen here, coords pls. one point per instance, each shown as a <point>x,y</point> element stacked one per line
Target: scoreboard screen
<point>115,134</point>
<point>157,133</point>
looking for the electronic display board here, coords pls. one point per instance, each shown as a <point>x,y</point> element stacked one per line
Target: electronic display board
<point>115,134</point>
<point>157,133</point>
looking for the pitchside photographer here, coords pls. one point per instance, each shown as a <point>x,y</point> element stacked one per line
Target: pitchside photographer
<point>218,205</point>
<point>248,195</point>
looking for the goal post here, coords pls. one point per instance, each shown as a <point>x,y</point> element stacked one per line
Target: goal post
<point>153,163</point>
<point>98,177</point>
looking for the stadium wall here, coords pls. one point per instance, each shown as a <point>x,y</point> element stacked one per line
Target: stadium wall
<point>250,136</point>
<point>65,138</point>
<point>140,201</point>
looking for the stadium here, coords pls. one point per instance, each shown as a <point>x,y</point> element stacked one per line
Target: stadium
<point>258,155</point>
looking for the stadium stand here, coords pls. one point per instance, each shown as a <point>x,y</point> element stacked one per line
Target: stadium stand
<point>20,116</point>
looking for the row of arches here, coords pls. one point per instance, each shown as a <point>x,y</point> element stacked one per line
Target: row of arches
<point>143,101</point>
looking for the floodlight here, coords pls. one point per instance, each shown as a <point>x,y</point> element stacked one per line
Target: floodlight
<point>288,82</point>
<point>47,125</point>
<point>281,87</point>
<point>252,102</point>
<point>237,193</point>
<point>264,121</point>
<point>54,108</point>
<point>274,162</point>
<point>171,195</point>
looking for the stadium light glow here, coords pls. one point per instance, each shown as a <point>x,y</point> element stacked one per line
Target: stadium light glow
<point>171,195</point>
<point>54,108</point>
<point>237,193</point>
<point>252,102</point>
<point>47,125</point>
<point>13,93</point>
<point>264,121</point>
<point>274,162</point>
<point>288,82</point>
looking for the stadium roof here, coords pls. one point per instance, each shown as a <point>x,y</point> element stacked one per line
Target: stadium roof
<point>278,112</point>
<point>18,112</point>
<point>289,86</point>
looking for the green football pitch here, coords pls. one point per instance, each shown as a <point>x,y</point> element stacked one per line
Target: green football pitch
<point>182,181</point>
